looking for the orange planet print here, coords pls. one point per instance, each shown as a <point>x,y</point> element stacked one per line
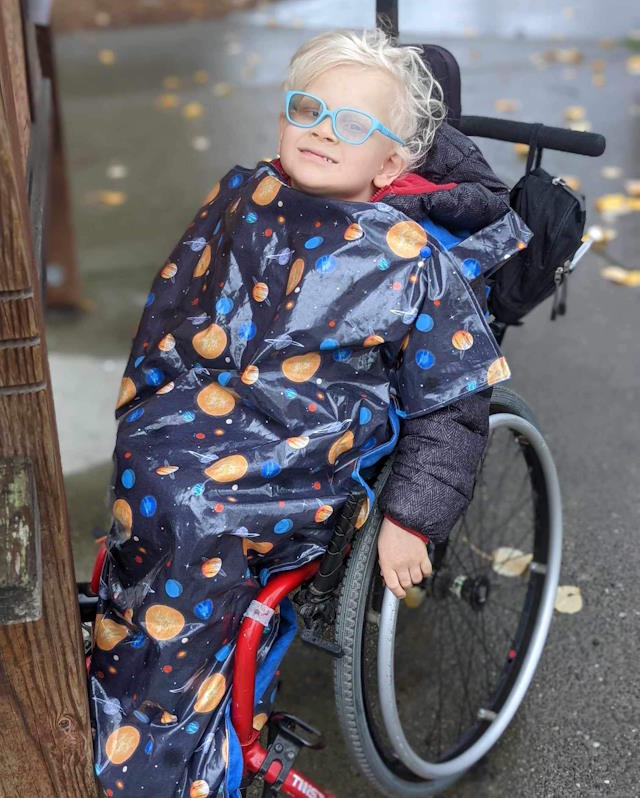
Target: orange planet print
<point>211,568</point>
<point>227,469</point>
<point>167,388</point>
<point>498,371</point>
<point>250,375</point>
<point>122,513</point>
<point>373,340</point>
<point>224,749</point>
<point>262,547</point>
<point>214,400</point>
<point>405,342</point>
<point>259,720</point>
<point>260,292</point>
<point>462,339</point>
<point>295,275</point>
<point>343,444</point>
<point>127,391</point>
<point>165,470</point>
<point>266,190</point>
<point>167,343</point>
<point>167,717</point>
<point>210,342</point>
<point>406,239</point>
<point>298,441</point>
<point>363,513</point>
<point>109,634</point>
<point>301,368</point>
<point>163,622</point>
<point>210,693</point>
<point>121,744</point>
<point>199,789</point>
<point>203,262</point>
<point>169,270</point>
<point>322,513</point>
<point>353,232</point>
<point>212,194</point>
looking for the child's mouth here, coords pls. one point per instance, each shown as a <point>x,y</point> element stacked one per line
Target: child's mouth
<point>316,156</point>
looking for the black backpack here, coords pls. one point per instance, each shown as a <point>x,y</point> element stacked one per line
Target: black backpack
<point>556,216</point>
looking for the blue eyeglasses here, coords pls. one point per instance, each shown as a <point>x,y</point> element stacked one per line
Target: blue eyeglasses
<point>349,124</point>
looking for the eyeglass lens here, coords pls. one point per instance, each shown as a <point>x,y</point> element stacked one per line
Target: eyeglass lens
<point>305,111</point>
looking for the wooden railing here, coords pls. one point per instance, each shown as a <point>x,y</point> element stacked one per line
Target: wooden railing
<point>45,742</point>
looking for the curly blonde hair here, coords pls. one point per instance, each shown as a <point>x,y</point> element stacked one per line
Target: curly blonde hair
<point>419,108</point>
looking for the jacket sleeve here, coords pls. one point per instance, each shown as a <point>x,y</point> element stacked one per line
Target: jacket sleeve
<point>434,469</point>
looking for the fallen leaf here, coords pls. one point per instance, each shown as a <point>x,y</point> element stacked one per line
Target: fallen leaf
<point>112,198</point>
<point>632,187</point>
<point>201,76</point>
<point>598,65</point>
<point>201,143</point>
<point>616,274</point>
<point>598,81</point>
<point>223,89</point>
<point>568,599</point>
<point>117,171</point>
<point>616,204</point>
<point>414,596</point>
<point>607,42</point>
<point>573,113</point>
<point>171,82</point>
<point>505,106</point>
<point>611,172</point>
<point>508,561</point>
<point>193,110</point>
<point>522,150</point>
<point>107,57</point>
<point>564,55</point>
<point>633,65</point>
<point>572,181</point>
<point>166,101</point>
<point>582,125</point>
<point>600,236</point>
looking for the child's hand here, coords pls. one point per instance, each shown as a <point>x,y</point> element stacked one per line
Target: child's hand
<point>403,558</point>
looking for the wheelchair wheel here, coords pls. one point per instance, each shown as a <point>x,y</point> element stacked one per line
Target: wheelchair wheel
<point>428,684</point>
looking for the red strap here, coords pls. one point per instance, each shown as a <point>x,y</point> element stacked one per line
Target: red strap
<point>421,535</point>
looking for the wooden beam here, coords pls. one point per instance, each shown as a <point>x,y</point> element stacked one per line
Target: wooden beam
<point>45,741</point>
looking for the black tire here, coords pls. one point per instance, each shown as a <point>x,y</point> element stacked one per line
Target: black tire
<point>359,716</point>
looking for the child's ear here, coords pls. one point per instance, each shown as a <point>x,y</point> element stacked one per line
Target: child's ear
<point>393,166</point>
<point>282,121</point>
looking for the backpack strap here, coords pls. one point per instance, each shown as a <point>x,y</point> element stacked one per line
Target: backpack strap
<point>535,151</point>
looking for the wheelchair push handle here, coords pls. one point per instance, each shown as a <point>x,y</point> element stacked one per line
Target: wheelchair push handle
<point>550,138</point>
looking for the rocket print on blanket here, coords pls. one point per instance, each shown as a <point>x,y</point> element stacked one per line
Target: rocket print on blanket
<point>278,344</point>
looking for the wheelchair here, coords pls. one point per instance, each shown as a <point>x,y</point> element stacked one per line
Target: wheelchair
<point>425,686</point>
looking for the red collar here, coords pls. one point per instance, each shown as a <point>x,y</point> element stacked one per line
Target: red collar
<point>407,183</point>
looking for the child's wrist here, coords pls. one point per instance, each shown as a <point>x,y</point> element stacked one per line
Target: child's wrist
<point>416,532</point>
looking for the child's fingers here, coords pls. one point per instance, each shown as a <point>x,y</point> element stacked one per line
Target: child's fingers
<point>391,581</point>
<point>404,577</point>
<point>416,574</point>
<point>425,566</point>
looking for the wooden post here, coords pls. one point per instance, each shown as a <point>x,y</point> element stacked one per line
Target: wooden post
<point>45,742</point>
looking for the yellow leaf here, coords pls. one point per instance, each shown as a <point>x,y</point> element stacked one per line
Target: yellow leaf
<point>522,150</point>
<point>613,204</point>
<point>572,181</point>
<point>193,110</point>
<point>223,89</point>
<point>573,113</point>
<point>504,106</point>
<point>171,82</point>
<point>568,599</point>
<point>415,596</point>
<point>582,125</point>
<point>607,42</point>
<point>633,65</point>
<point>166,101</point>
<point>107,57</point>
<point>628,277</point>
<point>632,187</point>
<point>112,198</point>
<point>598,81</point>
<point>599,65</point>
<point>508,561</point>
<point>201,76</point>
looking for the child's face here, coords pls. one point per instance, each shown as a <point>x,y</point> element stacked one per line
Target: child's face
<point>356,171</point>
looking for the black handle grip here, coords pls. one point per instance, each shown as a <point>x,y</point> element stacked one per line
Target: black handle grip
<point>551,138</point>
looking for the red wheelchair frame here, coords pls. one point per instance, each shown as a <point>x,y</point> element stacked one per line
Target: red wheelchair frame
<point>244,677</point>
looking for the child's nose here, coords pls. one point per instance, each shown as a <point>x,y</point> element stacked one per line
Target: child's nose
<point>325,129</point>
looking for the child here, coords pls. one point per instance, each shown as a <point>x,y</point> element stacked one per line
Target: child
<point>288,331</point>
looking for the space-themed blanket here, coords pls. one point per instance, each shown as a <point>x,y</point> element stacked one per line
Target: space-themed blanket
<point>279,343</point>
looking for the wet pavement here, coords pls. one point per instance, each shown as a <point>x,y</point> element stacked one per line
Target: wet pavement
<point>577,731</point>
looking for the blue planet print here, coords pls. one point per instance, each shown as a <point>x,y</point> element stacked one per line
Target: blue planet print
<point>471,268</point>
<point>270,468</point>
<point>368,444</point>
<point>148,749</point>
<point>189,415</point>
<point>154,377</point>
<point>111,706</point>
<point>365,415</point>
<point>197,244</point>
<point>282,526</point>
<point>383,264</point>
<point>424,322</point>
<point>235,181</point>
<point>313,243</point>
<point>141,716</point>
<point>326,264</point>
<point>425,252</point>
<point>224,377</point>
<point>134,415</point>
<point>222,653</point>
<point>284,257</point>
<point>148,506</point>
<point>424,358</point>
<point>224,305</point>
<point>138,361</point>
<point>172,588</point>
<point>329,343</point>
<point>252,217</point>
<point>342,355</point>
<point>247,330</point>
<point>150,299</point>
<point>203,609</point>
<point>198,489</point>
<point>290,393</point>
<point>472,385</point>
<point>137,641</point>
<point>192,728</point>
<point>128,478</point>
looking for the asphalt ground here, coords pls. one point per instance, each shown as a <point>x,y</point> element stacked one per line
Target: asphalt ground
<point>577,730</point>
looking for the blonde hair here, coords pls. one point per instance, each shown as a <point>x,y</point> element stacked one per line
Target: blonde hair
<point>419,108</point>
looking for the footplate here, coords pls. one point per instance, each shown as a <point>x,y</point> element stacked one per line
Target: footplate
<point>287,735</point>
